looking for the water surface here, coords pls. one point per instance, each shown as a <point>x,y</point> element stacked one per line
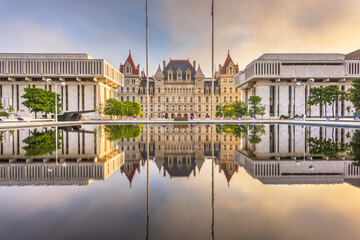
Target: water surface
<point>180,182</point>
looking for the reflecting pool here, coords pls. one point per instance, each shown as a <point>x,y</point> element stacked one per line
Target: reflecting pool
<point>180,182</point>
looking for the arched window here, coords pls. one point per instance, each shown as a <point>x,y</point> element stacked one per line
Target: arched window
<point>217,99</point>
<point>127,98</point>
<point>159,99</point>
<point>159,90</point>
<point>122,98</point>
<point>127,89</point>
<point>170,76</point>
<point>179,99</point>
<point>207,99</point>
<point>179,76</point>
<point>167,99</point>
<point>185,99</point>
<point>173,99</point>
<point>224,99</point>
<point>191,99</point>
<point>141,99</point>
<point>230,99</point>
<point>199,90</point>
<point>133,89</point>
<point>199,99</point>
<point>133,99</point>
<point>224,89</point>
<point>188,76</point>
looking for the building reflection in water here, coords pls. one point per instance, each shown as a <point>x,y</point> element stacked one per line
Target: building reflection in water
<point>180,150</point>
<point>84,154</point>
<point>273,154</point>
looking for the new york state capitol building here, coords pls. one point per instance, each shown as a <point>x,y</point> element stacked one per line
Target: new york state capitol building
<point>179,88</point>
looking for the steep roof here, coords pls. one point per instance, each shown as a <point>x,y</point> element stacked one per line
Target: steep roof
<point>184,65</point>
<point>227,62</point>
<point>199,72</point>
<point>132,64</point>
<point>228,174</point>
<point>130,175</point>
<point>159,73</point>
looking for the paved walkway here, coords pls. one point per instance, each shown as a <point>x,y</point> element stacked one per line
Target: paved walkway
<point>32,124</point>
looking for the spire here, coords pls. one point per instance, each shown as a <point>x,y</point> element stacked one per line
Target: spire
<point>159,73</point>
<point>199,72</point>
<point>129,52</point>
<point>228,52</point>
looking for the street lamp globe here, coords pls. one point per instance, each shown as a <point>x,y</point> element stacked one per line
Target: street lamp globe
<point>298,83</point>
<point>63,84</point>
<point>311,80</point>
<point>49,80</point>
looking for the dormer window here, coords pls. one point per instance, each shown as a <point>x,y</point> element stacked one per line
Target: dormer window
<point>179,74</point>
<point>170,74</point>
<point>188,76</point>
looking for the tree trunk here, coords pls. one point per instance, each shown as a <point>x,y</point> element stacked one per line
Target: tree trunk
<point>35,115</point>
<point>333,109</point>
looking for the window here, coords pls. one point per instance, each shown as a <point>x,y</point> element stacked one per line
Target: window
<point>173,99</point>
<point>179,99</point>
<point>159,99</point>
<point>167,99</point>
<point>230,89</point>
<point>224,99</point>
<point>179,76</point>
<point>133,89</point>
<point>159,90</point>
<point>133,99</point>
<point>199,99</point>
<point>191,99</point>
<point>127,89</point>
<point>199,90</point>
<point>224,89</point>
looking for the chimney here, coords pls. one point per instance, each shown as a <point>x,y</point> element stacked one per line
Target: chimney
<point>164,65</point>
<point>194,65</point>
<point>138,68</point>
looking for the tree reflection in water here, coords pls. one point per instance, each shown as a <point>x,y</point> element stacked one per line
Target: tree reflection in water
<point>42,143</point>
<point>254,132</point>
<point>116,132</point>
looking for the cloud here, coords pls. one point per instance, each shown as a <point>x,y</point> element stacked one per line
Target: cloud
<point>180,29</point>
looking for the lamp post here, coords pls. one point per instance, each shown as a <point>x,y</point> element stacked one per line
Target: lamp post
<point>49,80</point>
<point>305,84</point>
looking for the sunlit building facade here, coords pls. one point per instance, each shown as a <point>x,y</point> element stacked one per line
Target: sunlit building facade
<point>273,77</point>
<point>88,82</point>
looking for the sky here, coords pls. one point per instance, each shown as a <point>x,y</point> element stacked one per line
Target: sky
<point>179,29</point>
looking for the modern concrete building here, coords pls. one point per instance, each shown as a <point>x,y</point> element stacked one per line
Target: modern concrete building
<point>179,88</point>
<point>88,82</point>
<point>274,76</point>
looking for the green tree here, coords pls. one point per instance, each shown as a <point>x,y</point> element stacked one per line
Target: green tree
<point>262,111</point>
<point>136,109</point>
<point>11,110</point>
<point>317,97</point>
<point>219,111</point>
<point>1,106</point>
<point>228,111</point>
<point>40,100</point>
<point>41,143</point>
<point>240,108</point>
<point>254,102</point>
<point>113,108</point>
<point>354,94</point>
<point>333,94</point>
